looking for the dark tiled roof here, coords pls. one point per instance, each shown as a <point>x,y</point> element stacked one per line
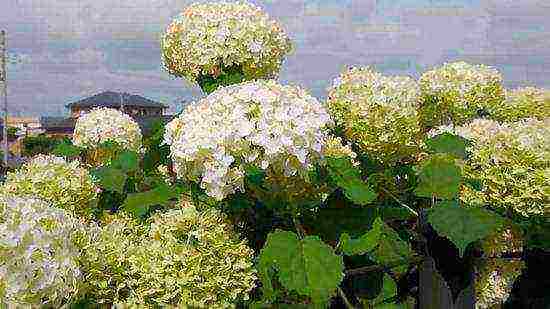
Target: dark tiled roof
<point>67,124</point>
<point>112,99</point>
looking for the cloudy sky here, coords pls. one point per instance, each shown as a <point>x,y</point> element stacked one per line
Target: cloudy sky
<point>69,49</point>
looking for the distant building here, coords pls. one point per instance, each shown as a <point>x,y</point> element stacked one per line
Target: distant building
<point>133,105</point>
<point>143,110</point>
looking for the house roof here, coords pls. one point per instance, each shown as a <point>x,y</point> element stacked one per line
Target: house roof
<point>112,99</point>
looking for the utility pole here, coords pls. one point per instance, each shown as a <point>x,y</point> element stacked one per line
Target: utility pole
<point>4,81</point>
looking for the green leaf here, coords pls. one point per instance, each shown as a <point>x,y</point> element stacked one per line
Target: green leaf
<point>463,225</point>
<point>448,143</point>
<point>111,179</point>
<point>254,175</point>
<point>366,243</point>
<point>309,267</point>
<point>127,161</point>
<point>348,177</point>
<point>440,177</point>
<point>139,203</point>
<point>392,251</point>
<point>389,290</point>
<point>67,150</point>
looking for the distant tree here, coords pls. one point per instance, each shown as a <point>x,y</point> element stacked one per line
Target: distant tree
<point>33,145</point>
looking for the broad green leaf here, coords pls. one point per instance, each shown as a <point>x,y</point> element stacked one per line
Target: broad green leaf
<point>387,298</point>
<point>254,175</point>
<point>448,143</point>
<point>392,250</point>
<point>440,177</point>
<point>139,203</point>
<point>463,225</point>
<point>127,161</point>
<point>348,177</point>
<point>365,243</point>
<point>111,179</point>
<point>67,150</point>
<point>308,267</point>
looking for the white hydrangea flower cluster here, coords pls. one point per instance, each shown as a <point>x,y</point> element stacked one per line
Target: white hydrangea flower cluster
<point>511,163</point>
<point>522,103</point>
<point>38,254</point>
<point>495,281</point>
<point>455,92</point>
<point>65,185</point>
<point>207,37</point>
<point>378,113</point>
<point>106,124</point>
<point>259,123</point>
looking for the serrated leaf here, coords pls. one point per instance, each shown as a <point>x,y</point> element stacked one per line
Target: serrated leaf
<point>392,250</point>
<point>440,177</point>
<point>448,143</point>
<point>348,177</point>
<point>111,179</point>
<point>365,243</point>
<point>309,267</point>
<point>139,203</point>
<point>127,161</point>
<point>463,225</point>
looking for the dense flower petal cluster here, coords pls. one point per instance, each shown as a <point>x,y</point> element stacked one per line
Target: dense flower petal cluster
<point>456,92</point>
<point>207,37</point>
<point>64,184</point>
<point>182,258</point>
<point>512,164</point>
<point>107,125</point>
<point>198,260</point>
<point>506,240</point>
<point>522,103</point>
<point>38,253</point>
<point>495,280</point>
<point>259,123</point>
<point>378,113</point>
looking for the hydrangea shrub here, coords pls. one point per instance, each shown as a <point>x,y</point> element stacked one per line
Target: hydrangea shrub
<point>103,125</point>
<point>39,253</point>
<point>377,113</point>
<point>457,92</point>
<point>207,38</point>
<point>522,103</point>
<point>66,185</point>
<point>182,257</point>
<point>278,129</point>
<point>510,161</point>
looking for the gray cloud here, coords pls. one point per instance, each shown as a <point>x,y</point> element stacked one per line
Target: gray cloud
<point>75,48</point>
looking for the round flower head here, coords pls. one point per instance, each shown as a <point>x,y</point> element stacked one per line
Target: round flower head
<point>494,281</point>
<point>511,164</point>
<point>208,37</point>
<point>522,103</point>
<point>38,253</point>
<point>193,259</point>
<point>377,113</point>
<point>260,124</point>
<point>456,92</point>
<point>64,184</point>
<point>107,125</point>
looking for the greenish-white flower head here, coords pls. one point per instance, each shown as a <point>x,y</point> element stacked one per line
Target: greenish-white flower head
<point>38,253</point>
<point>181,258</point>
<point>495,280</point>
<point>259,123</point>
<point>511,164</point>
<point>207,37</point>
<point>523,103</point>
<point>455,93</point>
<point>103,125</point>
<point>377,113</point>
<point>63,184</point>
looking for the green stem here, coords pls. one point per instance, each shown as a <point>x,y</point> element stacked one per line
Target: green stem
<point>414,212</point>
<point>345,299</point>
